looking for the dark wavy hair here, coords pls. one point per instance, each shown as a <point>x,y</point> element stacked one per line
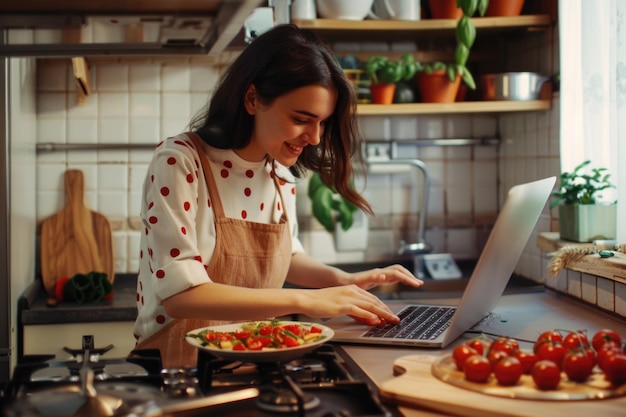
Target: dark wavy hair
<point>281,60</point>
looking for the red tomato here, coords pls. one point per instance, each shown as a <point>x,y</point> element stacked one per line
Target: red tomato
<point>461,353</point>
<point>552,351</point>
<point>242,334</point>
<point>496,356</point>
<point>615,369</point>
<point>293,328</point>
<point>477,368</point>
<point>603,336</point>
<point>546,375</point>
<point>508,371</point>
<point>504,344</point>
<point>607,350</point>
<point>239,346</point>
<point>258,343</point>
<point>575,340</point>
<point>265,330</point>
<point>315,329</point>
<point>527,359</point>
<point>476,344</point>
<point>577,365</point>
<point>548,336</point>
<point>290,341</point>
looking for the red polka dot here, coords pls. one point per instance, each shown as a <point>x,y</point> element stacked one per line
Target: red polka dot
<point>224,173</point>
<point>141,285</point>
<point>244,214</point>
<point>146,231</point>
<point>282,182</point>
<point>142,300</point>
<point>247,191</point>
<point>278,206</point>
<point>249,173</point>
<point>174,253</point>
<point>171,160</point>
<point>141,254</point>
<point>293,190</point>
<point>197,164</point>
<point>189,178</point>
<point>180,142</point>
<point>137,297</point>
<point>165,191</point>
<point>228,164</point>
<point>160,143</point>
<point>160,274</point>
<point>153,219</point>
<point>262,206</point>
<point>198,258</point>
<point>151,178</point>
<point>186,205</point>
<point>160,319</point>
<point>150,205</point>
<point>183,230</point>
<point>208,203</point>
<point>272,174</point>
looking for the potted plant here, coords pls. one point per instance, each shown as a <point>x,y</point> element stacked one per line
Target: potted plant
<point>439,81</point>
<point>384,73</point>
<point>584,214</point>
<point>338,216</point>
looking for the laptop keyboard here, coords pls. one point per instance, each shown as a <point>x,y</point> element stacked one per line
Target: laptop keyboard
<point>417,323</point>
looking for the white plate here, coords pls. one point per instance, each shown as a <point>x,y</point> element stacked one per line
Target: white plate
<point>266,355</point>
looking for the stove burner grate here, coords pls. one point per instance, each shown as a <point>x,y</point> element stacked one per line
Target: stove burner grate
<point>283,400</point>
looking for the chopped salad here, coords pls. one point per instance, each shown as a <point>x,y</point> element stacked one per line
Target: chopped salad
<point>261,335</point>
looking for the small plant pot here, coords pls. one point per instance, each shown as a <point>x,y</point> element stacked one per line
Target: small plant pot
<point>437,88</point>
<point>587,222</point>
<point>504,8</point>
<point>382,93</point>
<point>445,9</point>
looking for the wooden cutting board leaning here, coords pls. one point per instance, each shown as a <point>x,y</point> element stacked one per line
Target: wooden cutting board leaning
<point>416,386</point>
<point>76,240</point>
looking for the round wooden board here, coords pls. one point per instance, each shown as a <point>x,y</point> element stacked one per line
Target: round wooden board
<point>595,388</point>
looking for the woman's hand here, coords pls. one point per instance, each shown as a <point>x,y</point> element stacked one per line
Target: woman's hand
<point>389,275</point>
<point>346,300</point>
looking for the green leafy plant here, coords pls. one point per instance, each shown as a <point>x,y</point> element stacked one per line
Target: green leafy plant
<point>380,69</point>
<point>328,206</point>
<point>579,187</point>
<point>465,37</point>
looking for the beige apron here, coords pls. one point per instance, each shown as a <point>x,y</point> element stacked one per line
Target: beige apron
<point>247,254</point>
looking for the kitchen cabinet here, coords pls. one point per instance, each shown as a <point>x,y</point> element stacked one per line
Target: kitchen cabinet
<point>437,35</point>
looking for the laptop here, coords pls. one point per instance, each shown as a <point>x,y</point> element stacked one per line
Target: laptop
<point>437,326</point>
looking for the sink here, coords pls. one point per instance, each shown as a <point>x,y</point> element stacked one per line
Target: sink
<point>432,288</point>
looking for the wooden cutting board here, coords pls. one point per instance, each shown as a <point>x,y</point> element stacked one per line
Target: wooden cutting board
<point>418,387</point>
<point>75,240</point>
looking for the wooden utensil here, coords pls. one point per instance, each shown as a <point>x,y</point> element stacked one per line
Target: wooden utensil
<point>75,240</point>
<point>418,387</point>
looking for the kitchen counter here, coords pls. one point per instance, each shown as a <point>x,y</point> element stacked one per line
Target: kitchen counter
<point>523,316</point>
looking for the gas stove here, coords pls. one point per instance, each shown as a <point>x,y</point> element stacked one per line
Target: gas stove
<point>321,383</point>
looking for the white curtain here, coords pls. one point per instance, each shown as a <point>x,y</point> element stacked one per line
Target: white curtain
<point>592,36</point>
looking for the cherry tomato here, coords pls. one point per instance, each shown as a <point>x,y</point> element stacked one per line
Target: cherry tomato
<point>476,344</point>
<point>607,350</point>
<point>242,334</point>
<point>508,371</point>
<point>477,368</point>
<point>603,336</point>
<point>504,344</point>
<point>258,342</point>
<point>615,369</point>
<point>577,365</point>
<point>546,375</point>
<point>527,359</point>
<point>552,351</point>
<point>265,330</point>
<point>495,356</point>
<point>461,353</point>
<point>574,340</point>
<point>315,329</point>
<point>548,336</point>
<point>239,346</point>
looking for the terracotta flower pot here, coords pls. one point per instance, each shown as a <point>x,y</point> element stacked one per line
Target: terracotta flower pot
<point>382,93</point>
<point>444,9</point>
<point>437,88</point>
<point>504,8</point>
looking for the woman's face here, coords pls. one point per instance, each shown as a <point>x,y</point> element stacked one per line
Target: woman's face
<point>293,121</point>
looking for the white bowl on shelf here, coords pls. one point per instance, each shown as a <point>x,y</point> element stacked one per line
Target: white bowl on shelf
<point>344,9</point>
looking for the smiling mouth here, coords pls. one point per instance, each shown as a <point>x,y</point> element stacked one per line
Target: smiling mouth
<point>294,147</point>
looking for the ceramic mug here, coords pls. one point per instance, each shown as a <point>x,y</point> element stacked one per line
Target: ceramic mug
<point>396,9</point>
<point>303,9</point>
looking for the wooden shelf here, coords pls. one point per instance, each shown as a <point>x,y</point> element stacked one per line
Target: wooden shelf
<point>460,107</point>
<point>424,25</point>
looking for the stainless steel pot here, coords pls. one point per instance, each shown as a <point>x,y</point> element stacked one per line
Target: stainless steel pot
<point>513,86</point>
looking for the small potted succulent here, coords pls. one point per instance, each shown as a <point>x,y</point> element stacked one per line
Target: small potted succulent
<point>584,213</point>
<point>384,73</point>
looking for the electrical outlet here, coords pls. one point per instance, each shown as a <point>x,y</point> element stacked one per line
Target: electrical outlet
<point>441,266</point>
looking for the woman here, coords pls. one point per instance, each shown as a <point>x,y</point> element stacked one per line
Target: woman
<point>220,234</point>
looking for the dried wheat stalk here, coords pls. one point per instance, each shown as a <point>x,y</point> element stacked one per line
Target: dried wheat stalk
<point>567,254</point>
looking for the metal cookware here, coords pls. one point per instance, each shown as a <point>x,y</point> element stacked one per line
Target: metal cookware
<point>518,86</point>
